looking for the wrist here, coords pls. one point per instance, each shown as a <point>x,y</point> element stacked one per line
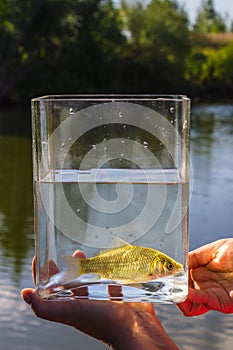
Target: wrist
<point>145,333</point>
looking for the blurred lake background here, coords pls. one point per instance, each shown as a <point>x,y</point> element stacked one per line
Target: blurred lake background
<point>104,46</point>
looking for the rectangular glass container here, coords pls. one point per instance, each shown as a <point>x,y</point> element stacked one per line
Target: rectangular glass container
<point>111,196</point>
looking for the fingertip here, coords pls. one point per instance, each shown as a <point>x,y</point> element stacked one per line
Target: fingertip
<point>185,307</point>
<point>79,254</point>
<point>27,294</point>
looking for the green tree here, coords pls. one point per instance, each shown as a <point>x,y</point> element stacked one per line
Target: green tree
<point>158,44</point>
<point>92,48</point>
<point>217,72</point>
<point>208,20</point>
<point>50,46</point>
<point>28,30</point>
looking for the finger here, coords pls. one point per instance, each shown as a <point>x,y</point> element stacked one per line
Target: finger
<point>202,276</point>
<point>223,259</point>
<point>201,256</point>
<point>190,279</point>
<point>81,292</point>
<point>205,254</point>
<point>79,254</point>
<point>115,292</point>
<point>82,314</point>
<point>26,294</point>
<point>53,269</point>
<point>56,311</point>
<point>206,299</point>
<point>190,307</point>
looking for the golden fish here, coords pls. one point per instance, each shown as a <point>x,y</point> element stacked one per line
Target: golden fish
<point>124,264</point>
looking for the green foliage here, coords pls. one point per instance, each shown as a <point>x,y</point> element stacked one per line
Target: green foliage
<point>92,46</point>
<point>157,45</point>
<point>218,70</point>
<point>210,71</point>
<point>28,30</point>
<point>208,20</point>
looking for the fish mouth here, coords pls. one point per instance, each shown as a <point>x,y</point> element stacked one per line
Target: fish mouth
<point>177,273</point>
<point>180,272</point>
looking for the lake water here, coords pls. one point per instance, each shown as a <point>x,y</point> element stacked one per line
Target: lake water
<point>211,218</point>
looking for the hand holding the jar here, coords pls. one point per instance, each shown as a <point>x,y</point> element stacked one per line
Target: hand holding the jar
<point>210,279</point>
<point>121,325</point>
<point>135,325</point>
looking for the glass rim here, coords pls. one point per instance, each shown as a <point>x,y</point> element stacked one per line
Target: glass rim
<point>112,97</point>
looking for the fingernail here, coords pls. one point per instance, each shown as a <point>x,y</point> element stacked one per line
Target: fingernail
<point>27,296</point>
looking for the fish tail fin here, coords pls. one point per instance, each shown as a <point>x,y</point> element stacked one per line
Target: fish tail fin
<point>72,269</point>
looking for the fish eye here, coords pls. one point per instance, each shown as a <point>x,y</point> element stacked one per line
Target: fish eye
<point>170,266</point>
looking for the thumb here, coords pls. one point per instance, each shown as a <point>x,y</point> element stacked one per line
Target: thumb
<point>28,294</point>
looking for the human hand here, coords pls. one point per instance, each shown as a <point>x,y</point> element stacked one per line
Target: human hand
<point>123,325</point>
<point>210,279</point>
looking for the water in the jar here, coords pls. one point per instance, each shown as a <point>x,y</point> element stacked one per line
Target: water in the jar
<point>131,224</point>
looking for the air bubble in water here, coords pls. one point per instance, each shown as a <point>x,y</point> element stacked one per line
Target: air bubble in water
<point>120,115</point>
<point>93,146</point>
<point>71,110</point>
<point>164,133</point>
<point>123,142</point>
<point>172,110</point>
<point>145,144</point>
<point>78,210</point>
<point>63,145</point>
<point>124,126</point>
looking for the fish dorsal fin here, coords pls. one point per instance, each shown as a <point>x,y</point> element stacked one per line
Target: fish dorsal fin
<point>116,242</point>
